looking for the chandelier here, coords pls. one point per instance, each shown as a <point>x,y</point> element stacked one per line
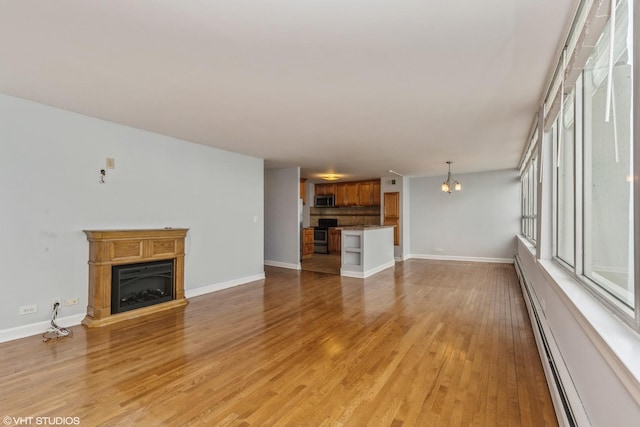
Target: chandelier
<point>447,186</point>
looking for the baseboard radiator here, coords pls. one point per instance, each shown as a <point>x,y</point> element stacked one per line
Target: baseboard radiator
<point>561,400</point>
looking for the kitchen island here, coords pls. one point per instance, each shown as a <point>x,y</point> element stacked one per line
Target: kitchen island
<point>366,250</point>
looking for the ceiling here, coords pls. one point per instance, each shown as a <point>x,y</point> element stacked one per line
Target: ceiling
<point>355,87</point>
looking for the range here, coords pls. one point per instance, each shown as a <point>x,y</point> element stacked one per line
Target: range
<point>321,235</point>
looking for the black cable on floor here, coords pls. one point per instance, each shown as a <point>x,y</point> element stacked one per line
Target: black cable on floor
<point>54,330</point>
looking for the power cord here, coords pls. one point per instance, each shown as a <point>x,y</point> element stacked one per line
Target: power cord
<point>54,330</point>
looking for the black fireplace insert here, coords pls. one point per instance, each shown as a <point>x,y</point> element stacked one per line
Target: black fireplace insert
<point>139,285</point>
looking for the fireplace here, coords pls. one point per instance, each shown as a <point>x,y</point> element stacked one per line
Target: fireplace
<point>134,273</point>
<point>140,285</point>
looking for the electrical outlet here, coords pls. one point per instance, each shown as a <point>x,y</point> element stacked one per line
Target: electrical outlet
<point>71,301</point>
<point>28,309</point>
<point>111,163</point>
<point>438,250</point>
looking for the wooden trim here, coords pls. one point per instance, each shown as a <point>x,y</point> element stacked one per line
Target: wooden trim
<point>117,247</point>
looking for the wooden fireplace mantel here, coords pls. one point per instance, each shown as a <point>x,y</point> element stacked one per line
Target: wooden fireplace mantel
<point>117,247</point>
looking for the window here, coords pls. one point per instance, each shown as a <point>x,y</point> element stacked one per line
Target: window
<point>565,215</point>
<point>608,163</point>
<point>594,215</point>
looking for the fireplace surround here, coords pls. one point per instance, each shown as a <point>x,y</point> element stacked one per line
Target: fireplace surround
<point>123,251</point>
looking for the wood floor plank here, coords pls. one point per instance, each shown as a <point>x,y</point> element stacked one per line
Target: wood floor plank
<point>429,343</point>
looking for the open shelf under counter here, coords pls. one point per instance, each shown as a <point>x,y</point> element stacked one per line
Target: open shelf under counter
<point>366,250</point>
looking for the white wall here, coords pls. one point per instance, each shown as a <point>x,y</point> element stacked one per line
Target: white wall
<point>581,330</point>
<point>479,222</point>
<point>282,217</point>
<point>405,210</point>
<point>49,173</point>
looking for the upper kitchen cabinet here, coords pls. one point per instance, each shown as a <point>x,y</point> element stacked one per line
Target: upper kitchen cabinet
<point>369,193</point>
<point>375,196</point>
<point>325,189</point>
<point>347,194</point>
<point>355,193</point>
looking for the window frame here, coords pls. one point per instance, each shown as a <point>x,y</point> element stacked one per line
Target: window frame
<point>559,128</point>
<point>607,297</point>
<point>529,197</point>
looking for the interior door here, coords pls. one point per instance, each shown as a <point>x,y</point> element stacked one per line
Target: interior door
<point>392,214</point>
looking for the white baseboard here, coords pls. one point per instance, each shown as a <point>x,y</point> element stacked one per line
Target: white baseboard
<point>566,399</point>
<point>206,289</point>
<point>283,265</point>
<point>461,258</point>
<point>364,275</point>
<point>74,320</point>
<point>39,328</point>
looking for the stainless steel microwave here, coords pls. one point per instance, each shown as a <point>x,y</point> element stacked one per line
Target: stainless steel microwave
<point>325,201</point>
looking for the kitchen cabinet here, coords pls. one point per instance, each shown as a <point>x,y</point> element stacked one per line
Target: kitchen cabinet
<point>325,189</point>
<point>335,240</point>
<point>375,196</point>
<point>307,243</point>
<point>341,195</point>
<point>369,193</point>
<point>355,193</point>
<point>351,192</point>
<point>346,194</point>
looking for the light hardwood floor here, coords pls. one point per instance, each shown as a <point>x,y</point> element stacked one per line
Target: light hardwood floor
<point>322,263</point>
<point>428,343</point>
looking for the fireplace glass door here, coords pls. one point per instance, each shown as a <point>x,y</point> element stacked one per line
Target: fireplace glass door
<point>139,285</point>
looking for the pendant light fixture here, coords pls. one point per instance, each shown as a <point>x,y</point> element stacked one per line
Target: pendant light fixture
<point>447,186</point>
